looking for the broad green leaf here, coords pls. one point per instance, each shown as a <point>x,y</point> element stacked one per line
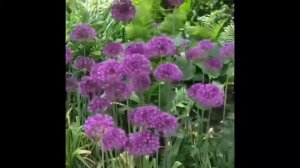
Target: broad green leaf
<point>177,165</point>
<point>199,32</point>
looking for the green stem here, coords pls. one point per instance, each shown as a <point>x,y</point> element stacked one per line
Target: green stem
<point>123,34</point>
<point>208,119</point>
<point>225,99</point>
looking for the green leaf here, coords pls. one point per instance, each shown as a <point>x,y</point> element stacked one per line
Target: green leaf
<point>198,32</point>
<point>177,165</point>
<point>186,67</point>
<point>134,98</point>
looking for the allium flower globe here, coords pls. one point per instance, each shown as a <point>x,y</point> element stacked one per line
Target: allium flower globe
<point>195,53</point>
<point>113,49</point>
<point>140,82</point>
<point>138,48</point>
<point>84,63</point>
<point>107,72</point>
<point>161,46</point>
<point>118,91</point>
<point>114,138</point>
<point>136,64</point>
<point>89,87</point>
<point>206,45</point>
<point>227,51</point>
<point>123,10</point>
<point>168,72</point>
<point>83,32</point>
<point>207,95</point>
<point>166,124</point>
<point>71,83</point>
<point>173,3</point>
<point>96,126</point>
<point>142,143</point>
<point>213,64</point>
<point>144,116</point>
<point>69,55</point>
<point>98,105</point>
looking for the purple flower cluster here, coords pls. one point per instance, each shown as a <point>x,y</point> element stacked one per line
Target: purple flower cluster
<point>207,95</point>
<point>89,87</point>
<point>142,143</point>
<point>98,105</point>
<point>161,46</point>
<point>69,55</point>
<point>118,91</point>
<point>101,127</point>
<point>168,72</point>
<point>206,45</point>
<point>83,32</point>
<point>84,63</point>
<point>123,10</point>
<point>138,48</point>
<point>71,83</point>
<point>96,126</point>
<point>213,64</point>
<point>135,64</point>
<point>113,49</point>
<point>152,117</point>
<point>114,138</point>
<point>109,71</point>
<point>140,83</point>
<point>227,51</point>
<point>195,53</point>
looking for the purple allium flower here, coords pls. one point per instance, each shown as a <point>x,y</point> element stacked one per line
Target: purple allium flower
<point>69,55</point>
<point>140,82</point>
<point>173,3</point>
<point>137,48</point>
<point>161,46</point>
<point>144,116</point>
<point>84,63</point>
<point>227,51</point>
<point>114,138</point>
<point>113,49</point>
<point>98,104</point>
<point>109,71</point>
<point>135,64</point>
<point>206,45</point>
<point>71,83</point>
<point>208,95</point>
<point>123,10</point>
<point>142,143</point>
<point>195,53</point>
<point>166,124</point>
<point>213,64</point>
<point>118,91</point>
<point>96,126</point>
<point>89,87</point>
<point>168,72</point>
<point>83,32</point>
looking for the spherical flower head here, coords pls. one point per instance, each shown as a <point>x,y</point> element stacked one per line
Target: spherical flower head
<point>84,63</point>
<point>213,64</point>
<point>96,126</point>
<point>195,53</point>
<point>98,105</point>
<point>142,143</point>
<point>123,10</point>
<point>168,72</point>
<point>83,32</point>
<point>206,45</point>
<point>109,71</point>
<point>144,116</point>
<point>166,124</point>
<point>173,3</point>
<point>113,49</point>
<point>114,138</point>
<point>161,46</point>
<point>71,83</point>
<point>89,87</point>
<point>227,51</point>
<point>138,48</point>
<point>140,82</point>
<point>135,64</point>
<point>208,95</point>
<point>118,91</point>
<point>193,90</point>
<point>69,55</point>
